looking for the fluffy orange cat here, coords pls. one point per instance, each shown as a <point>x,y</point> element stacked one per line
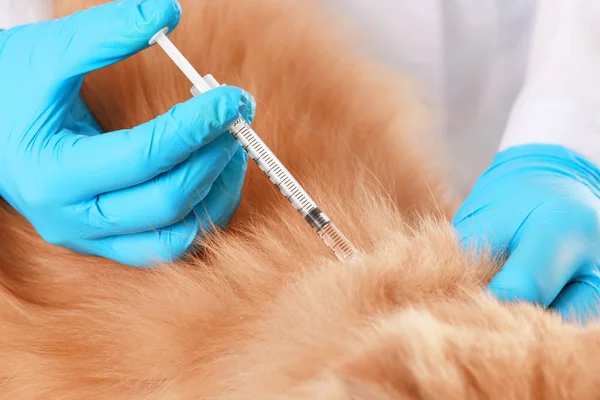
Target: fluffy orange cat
<point>265,311</point>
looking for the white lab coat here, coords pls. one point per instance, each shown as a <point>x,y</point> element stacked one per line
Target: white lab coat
<point>17,12</point>
<point>470,56</point>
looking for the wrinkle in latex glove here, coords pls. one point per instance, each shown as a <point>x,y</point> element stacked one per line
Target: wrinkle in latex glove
<point>540,206</point>
<point>137,196</point>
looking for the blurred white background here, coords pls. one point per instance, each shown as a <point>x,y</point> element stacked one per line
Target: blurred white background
<point>468,56</point>
<point>16,12</point>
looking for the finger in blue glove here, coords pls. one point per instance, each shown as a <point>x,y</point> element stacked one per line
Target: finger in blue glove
<point>133,195</point>
<point>539,205</point>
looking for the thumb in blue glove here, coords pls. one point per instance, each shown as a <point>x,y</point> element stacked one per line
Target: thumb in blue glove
<point>540,206</point>
<point>136,196</point>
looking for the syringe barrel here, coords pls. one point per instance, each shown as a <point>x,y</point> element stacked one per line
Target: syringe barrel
<point>272,167</point>
<point>265,159</point>
<point>291,189</point>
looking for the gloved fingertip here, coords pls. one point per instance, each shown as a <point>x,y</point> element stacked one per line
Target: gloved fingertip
<point>203,118</point>
<point>153,249</point>
<point>219,216</point>
<point>239,160</point>
<point>244,157</point>
<point>178,239</point>
<point>114,31</point>
<point>217,109</point>
<point>233,176</point>
<point>247,106</point>
<point>157,14</point>
<point>218,208</point>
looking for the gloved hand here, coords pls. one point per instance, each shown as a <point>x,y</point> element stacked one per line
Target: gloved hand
<point>137,196</point>
<point>540,205</point>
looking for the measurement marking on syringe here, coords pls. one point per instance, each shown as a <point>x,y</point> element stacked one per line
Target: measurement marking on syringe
<point>279,175</point>
<point>284,182</point>
<point>243,131</point>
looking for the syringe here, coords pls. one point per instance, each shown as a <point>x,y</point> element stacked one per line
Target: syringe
<point>266,160</point>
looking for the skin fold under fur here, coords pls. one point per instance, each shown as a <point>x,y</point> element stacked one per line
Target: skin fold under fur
<point>264,311</point>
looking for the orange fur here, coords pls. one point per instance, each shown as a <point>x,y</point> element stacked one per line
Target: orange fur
<point>265,312</point>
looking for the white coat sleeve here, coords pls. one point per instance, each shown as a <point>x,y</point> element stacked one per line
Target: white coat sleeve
<point>560,100</point>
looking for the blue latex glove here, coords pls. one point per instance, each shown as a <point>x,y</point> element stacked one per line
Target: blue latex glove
<point>136,196</point>
<point>539,204</point>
